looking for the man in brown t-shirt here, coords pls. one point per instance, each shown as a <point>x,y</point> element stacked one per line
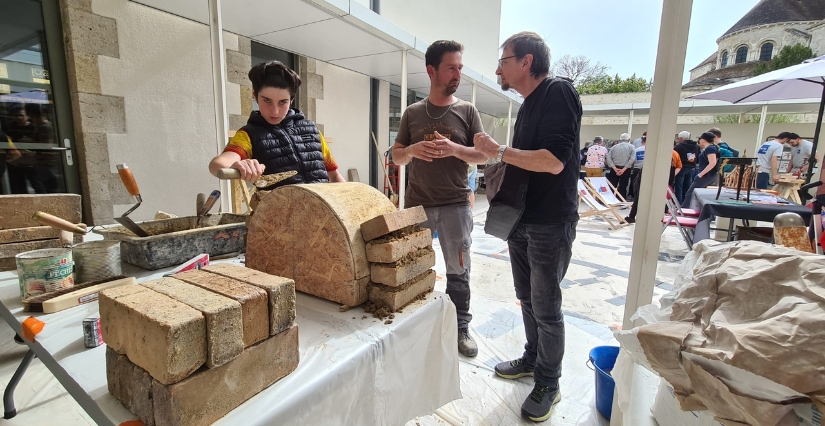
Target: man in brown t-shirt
<point>436,138</point>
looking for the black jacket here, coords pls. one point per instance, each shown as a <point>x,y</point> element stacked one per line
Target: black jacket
<point>688,147</point>
<point>292,144</point>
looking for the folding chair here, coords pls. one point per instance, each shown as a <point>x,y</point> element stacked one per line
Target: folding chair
<point>596,208</point>
<point>606,192</point>
<point>685,225</point>
<point>679,210</point>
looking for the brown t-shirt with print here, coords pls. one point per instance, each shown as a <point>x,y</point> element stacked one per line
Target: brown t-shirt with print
<point>442,182</point>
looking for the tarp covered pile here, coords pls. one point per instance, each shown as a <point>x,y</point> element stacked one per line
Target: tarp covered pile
<point>741,335</point>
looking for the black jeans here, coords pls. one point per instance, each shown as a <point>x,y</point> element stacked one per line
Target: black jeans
<point>620,182</point>
<point>539,256</point>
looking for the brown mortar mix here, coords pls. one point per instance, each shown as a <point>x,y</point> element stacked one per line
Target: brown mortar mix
<point>397,235</point>
<point>380,311</point>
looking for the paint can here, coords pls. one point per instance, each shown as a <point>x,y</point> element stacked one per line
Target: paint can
<point>96,260</point>
<point>44,271</point>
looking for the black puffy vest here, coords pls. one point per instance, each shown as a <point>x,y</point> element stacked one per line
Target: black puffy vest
<point>292,144</point>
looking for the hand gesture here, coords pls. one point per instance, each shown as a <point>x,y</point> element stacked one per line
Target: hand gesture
<point>250,170</point>
<point>486,145</point>
<point>424,150</point>
<point>444,146</point>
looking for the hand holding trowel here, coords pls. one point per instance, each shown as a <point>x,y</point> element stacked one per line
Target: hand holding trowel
<point>261,183</point>
<point>131,186</point>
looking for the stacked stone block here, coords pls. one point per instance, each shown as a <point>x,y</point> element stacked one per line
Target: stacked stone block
<point>187,349</point>
<point>401,257</point>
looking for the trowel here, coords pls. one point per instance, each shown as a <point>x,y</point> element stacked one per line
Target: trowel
<point>207,205</point>
<point>131,186</point>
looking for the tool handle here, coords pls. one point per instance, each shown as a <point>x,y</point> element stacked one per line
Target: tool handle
<point>213,197</point>
<point>128,179</point>
<point>58,223</point>
<point>229,174</point>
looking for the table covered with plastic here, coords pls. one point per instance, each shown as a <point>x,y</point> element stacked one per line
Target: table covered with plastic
<point>354,369</point>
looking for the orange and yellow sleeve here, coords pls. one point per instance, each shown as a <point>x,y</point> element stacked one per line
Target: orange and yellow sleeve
<point>329,162</point>
<point>241,145</point>
<point>677,161</point>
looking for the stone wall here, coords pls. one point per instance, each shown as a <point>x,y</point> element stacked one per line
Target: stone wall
<point>781,35</point>
<point>818,38</point>
<point>140,82</point>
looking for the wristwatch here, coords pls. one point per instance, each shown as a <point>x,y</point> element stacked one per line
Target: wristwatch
<point>501,149</point>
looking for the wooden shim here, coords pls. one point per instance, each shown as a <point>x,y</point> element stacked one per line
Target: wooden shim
<point>79,297</point>
<point>16,211</point>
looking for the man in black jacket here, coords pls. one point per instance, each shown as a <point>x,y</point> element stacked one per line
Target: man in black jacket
<point>545,144</point>
<point>688,151</point>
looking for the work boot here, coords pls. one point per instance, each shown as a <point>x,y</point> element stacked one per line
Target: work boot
<point>539,405</point>
<point>514,369</point>
<point>466,345</point>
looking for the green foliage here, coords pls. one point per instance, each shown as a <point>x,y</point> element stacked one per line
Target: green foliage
<point>789,55</point>
<point>608,84</point>
<point>755,118</point>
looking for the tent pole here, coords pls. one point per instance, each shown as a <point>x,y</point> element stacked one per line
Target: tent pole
<point>402,177</point>
<point>760,135</point>
<point>812,160</point>
<point>219,92</point>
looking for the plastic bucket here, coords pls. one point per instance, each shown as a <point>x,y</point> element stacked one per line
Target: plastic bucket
<point>603,358</point>
<point>96,260</point>
<point>44,271</point>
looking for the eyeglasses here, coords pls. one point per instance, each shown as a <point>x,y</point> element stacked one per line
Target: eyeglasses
<point>502,59</point>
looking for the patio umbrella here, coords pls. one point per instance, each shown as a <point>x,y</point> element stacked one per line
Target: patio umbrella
<point>803,81</point>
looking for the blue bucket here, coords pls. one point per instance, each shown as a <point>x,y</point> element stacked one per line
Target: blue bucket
<point>603,358</point>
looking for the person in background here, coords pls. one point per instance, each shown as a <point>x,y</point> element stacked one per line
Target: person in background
<point>277,138</point>
<point>583,152</point>
<point>675,167</point>
<point>620,159</point>
<point>725,150</point>
<point>800,154</point>
<point>472,175</point>
<point>708,172</point>
<point>594,166</point>
<point>688,153</point>
<point>638,141</point>
<point>637,166</point>
<point>767,160</point>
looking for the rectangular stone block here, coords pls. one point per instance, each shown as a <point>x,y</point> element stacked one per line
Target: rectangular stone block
<point>389,222</point>
<point>224,324</point>
<point>396,298</point>
<point>12,249</point>
<point>16,211</point>
<point>253,300</point>
<point>280,292</point>
<point>208,395</point>
<point>131,385</point>
<point>33,233</point>
<point>392,247</point>
<point>102,113</point>
<point>406,269</point>
<point>159,334</point>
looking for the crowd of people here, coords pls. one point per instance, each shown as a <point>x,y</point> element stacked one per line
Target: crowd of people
<point>694,163</point>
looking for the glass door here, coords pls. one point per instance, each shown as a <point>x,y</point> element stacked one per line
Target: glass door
<point>35,116</point>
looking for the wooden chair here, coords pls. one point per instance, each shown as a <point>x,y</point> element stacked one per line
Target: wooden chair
<point>586,194</point>
<point>607,193</point>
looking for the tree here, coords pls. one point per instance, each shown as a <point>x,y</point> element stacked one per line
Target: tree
<point>608,84</point>
<point>578,68</point>
<point>789,55</point>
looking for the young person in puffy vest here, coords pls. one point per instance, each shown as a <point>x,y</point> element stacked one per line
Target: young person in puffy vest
<point>278,138</point>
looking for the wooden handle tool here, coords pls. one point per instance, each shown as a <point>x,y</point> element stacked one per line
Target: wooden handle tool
<point>58,223</point>
<point>229,174</point>
<point>128,180</point>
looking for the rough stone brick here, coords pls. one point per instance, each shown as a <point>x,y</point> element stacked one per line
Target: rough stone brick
<point>131,385</point>
<point>237,68</point>
<point>159,334</point>
<point>280,291</point>
<point>398,273</point>
<point>84,72</point>
<point>393,221</point>
<point>253,300</point>
<point>224,326</point>
<point>16,211</point>
<point>102,113</point>
<point>396,298</point>
<point>393,249</point>
<point>93,34</point>
<point>188,403</point>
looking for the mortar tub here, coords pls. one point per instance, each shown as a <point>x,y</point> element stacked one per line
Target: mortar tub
<point>177,240</point>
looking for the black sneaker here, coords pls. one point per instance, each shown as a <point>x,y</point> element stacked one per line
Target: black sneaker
<point>539,405</point>
<point>466,345</point>
<point>514,369</point>
<point>630,220</point>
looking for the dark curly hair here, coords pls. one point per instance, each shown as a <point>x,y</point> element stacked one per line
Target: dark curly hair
<point>274,74</point>
<point>435,52</point>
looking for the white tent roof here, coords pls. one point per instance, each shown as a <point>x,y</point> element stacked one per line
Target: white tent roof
<point>339,32</point>
<point>705,107</point>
